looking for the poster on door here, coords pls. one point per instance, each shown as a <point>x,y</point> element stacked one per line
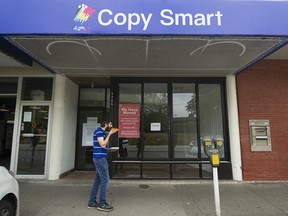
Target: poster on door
<point>88,131</point>
<point>129,121</point>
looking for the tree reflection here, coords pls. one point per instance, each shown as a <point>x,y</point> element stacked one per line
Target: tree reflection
<point>191,106</point>
<point>155,110</point>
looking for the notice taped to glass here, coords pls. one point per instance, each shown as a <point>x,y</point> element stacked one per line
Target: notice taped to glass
<point>129,121</point>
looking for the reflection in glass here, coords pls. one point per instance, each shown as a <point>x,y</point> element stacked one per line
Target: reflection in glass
<point>156,121</point>
<point>184,121</point>
<point>8,85</point>
<point>185,170</point>
<point>33,140</point>
<point>207,171</point>
<point>94,97</point>
<point>210,107</point>
<point>129,147</point>
<point>37,89</point>
<point>191,103</point>
<point>124,170</point>
<point>156,171</point>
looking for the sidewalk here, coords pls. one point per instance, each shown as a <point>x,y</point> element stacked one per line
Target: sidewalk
<point>154,198</point>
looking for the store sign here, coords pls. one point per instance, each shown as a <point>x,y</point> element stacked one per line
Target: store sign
<point>155,126</point>
<point>145,17</point>
<point>129,121</point>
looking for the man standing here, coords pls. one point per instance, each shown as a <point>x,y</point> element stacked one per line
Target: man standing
<point>100,148</point>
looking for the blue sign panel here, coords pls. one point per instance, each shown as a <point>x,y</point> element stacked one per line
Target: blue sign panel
<point>144,17</point>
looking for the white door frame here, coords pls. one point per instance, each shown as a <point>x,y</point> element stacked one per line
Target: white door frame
<point>47,153</point>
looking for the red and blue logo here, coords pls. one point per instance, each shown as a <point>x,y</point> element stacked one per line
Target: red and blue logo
<point>83,13</point>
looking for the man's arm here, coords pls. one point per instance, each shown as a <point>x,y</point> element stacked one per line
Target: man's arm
<point>103,143</point>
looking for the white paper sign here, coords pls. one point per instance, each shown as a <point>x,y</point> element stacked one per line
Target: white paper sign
<point>87,133</point>
<point>92,120</point>
<point>27,117</point>
<point>156,126</point>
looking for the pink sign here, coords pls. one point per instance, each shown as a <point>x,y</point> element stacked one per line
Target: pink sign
<point>129,121</point>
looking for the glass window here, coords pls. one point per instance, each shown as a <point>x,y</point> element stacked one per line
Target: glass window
<point>185,170</point>
<point>210,106</point>
<point>156,171</point>
<point>37,89</point>
<point>155,121</point>
<point>184,121</point>
<point>124,170</point>
<point>8,85</point>
<point>92,97</point>
<point>130,94</point>
<point>206,171</point>
<point>191,109</point>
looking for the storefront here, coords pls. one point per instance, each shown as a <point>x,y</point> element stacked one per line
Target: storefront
<point>171,116</point>
<point>165,73</point>
<point>160,137</point>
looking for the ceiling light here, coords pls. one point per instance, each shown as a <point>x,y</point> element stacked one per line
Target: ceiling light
<point>43,111</point>
<point>3,109</point>
<point>35,107</point>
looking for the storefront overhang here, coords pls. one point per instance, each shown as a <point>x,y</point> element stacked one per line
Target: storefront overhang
<point>10,56</point>
<point>146,56</point>
<point>146,38</point>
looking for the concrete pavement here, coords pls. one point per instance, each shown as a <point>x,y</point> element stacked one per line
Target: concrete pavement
<point>154,197</point>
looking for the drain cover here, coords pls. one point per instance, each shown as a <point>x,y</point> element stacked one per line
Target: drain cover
<point>144,186</point>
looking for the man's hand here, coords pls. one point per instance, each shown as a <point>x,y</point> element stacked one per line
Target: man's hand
<point>113,130</point>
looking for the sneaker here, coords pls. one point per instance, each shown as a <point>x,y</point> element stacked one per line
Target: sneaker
<point>92,205</point>
<point>105,207</point>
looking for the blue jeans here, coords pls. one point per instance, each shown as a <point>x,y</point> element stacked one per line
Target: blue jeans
<point>101,181</point>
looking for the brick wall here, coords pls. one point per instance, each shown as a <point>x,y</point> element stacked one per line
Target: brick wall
<point>263,94</point>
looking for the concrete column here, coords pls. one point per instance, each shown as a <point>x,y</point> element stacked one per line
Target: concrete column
<point>57,128</point>
<point>63,130</point>
<point>234,131</point>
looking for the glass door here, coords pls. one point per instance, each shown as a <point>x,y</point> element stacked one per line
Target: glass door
<point>184,121</point>
<point>33,140</point>
<point>94,107</point>
<point>155,121</point>
<point>84,150</point>
<point>156,130</point>
<point>184,130</point>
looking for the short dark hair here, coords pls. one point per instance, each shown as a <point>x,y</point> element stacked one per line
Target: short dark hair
<point>105,122</point>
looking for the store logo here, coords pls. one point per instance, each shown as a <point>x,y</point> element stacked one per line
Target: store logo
<point>135,20</point>
<point>83,13</point>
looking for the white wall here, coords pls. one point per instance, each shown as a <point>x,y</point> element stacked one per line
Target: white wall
<point>63,132</point>
<point>69,125</point>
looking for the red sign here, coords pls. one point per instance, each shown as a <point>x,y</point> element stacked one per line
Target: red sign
<point>129,121</point>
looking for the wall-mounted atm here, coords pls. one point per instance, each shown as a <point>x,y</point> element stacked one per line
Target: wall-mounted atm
<point>260,138</point>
